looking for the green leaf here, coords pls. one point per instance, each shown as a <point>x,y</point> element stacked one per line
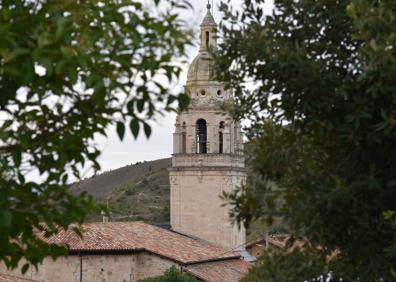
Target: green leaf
<point>5,218</point>
<point>62,24</point>
<point>120,130</point>
<point>17,156</point>
<point>171,99</point>
<point>78,232</point>
<point>25,268</point>
<point>18,53</point>
<point>47,64</point>
<point>61,66</point>
<point>140,105</point>
<point>184,101</point>
<point>134,126</point>
<point>99,91</point>
<point>147,130</point>
<point>67,52</point>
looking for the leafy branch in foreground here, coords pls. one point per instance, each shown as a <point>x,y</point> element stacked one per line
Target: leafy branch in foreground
<point>317,80</point>
<point>69,70</point>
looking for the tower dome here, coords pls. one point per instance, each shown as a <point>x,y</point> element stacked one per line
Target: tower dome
<point>200,68</point>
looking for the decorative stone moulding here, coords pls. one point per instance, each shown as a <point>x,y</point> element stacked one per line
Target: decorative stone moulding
<point>213,160</point>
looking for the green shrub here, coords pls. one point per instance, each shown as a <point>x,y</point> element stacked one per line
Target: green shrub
<point>172,275</point>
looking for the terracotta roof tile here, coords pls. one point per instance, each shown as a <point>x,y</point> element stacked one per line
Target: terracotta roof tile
<point>12,278</point>
<point>220,271</point>
<point>139,236</point>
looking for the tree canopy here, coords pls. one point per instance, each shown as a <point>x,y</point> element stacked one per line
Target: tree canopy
<point>317,81</point>
<point>69,70</point>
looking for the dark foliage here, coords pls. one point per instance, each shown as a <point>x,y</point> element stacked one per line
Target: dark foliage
<point>69,70</point>
<point>317,81</point>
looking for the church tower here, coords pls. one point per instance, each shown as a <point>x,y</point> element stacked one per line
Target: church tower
<point>207,155</point>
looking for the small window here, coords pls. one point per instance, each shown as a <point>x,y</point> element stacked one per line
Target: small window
<point>207,39</point>
<point>221,127</point>
<point>220,142</point>
<point>184,138</point>
<point>184,142</point>
<point>201,135</point>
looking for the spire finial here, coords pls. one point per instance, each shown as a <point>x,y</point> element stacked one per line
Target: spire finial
<point>208,6</point>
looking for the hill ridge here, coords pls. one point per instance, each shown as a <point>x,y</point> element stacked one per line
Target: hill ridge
<point>100,185</point>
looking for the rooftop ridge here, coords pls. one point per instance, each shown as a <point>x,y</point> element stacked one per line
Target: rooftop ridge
<point>137,236</point>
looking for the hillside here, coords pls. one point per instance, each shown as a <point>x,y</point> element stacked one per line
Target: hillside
<point>138,192</point>
<point>101,185</point>
<point>147,199</point>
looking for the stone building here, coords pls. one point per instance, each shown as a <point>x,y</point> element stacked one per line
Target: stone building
<point>207,158</point>
<point>14,278</point>
<point>207,161</point>
<point>130,251</point>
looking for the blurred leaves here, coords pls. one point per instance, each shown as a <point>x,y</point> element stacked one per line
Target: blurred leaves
<point>316,79</point>
<point>275,266</point>
<point>69,70</point>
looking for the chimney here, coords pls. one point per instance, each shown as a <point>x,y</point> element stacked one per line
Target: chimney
<point>105,217</point>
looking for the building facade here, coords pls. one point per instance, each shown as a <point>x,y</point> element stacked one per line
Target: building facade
<point>127,252</point>
<point>207,155</point>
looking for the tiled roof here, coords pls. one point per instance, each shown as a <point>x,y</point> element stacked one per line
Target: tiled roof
<point>220,271</point>
<point>12,278</point>
<point>139,236</point>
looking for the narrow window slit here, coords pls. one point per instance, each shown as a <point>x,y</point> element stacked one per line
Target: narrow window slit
<point>221,127</point>
<point>201,136</point>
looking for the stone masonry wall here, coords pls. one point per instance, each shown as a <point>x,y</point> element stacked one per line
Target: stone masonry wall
<point>198,210</point>
<point>97,268</point>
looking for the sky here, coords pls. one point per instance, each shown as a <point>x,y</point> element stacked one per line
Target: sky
<point>116,154</point>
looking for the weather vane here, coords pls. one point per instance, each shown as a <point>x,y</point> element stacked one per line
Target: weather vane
<point>210,7</point>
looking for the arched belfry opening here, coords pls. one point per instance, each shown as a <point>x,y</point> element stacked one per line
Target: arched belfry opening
<point>201,136</point>
<point>207,39</point>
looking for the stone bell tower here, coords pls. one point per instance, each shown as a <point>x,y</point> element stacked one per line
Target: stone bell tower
<point>207,154</point>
